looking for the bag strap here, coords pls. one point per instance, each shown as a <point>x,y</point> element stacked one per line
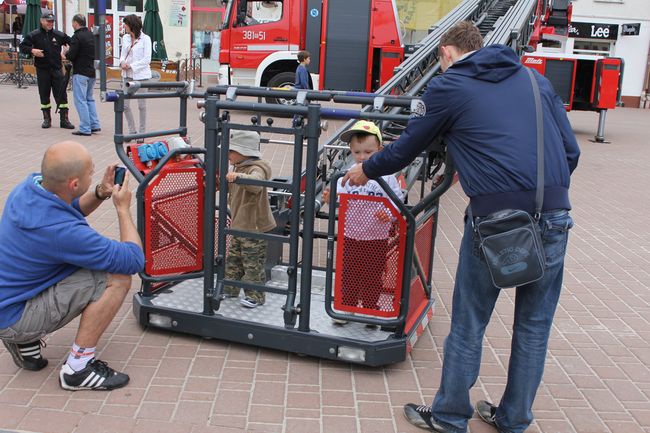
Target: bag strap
<point>539,193</point>
<point>539,196</point>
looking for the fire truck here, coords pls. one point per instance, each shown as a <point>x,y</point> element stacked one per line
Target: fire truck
<point>583,82</point>
<point>354,45</point>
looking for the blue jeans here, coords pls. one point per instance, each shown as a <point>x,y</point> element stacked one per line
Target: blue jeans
<point>473,302</point>
<point>82,89</point>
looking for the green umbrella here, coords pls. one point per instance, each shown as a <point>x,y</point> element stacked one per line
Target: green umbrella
<point>153,28</point>
<point>32,16</point>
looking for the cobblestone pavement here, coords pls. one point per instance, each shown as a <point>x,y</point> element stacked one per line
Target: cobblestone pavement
<point>597,377</point>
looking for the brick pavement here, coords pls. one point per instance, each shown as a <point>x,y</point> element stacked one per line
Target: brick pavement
<point>597,377</point>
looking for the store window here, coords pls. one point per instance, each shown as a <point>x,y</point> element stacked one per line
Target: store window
<point>590,46</point>
<point>109,4</point>
<point>207,17</point>
<point>130,5</point>
<point>122,5</point>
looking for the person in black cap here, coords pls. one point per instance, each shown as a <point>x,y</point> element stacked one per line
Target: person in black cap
<point>45,44</point>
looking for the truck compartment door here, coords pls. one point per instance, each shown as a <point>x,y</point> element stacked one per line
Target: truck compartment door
<point>346,48</point>
<point>607,79</point>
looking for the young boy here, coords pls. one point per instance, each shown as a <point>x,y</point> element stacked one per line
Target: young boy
<point>302,75</point>
<point>367,225</point>
<point>250,211</point>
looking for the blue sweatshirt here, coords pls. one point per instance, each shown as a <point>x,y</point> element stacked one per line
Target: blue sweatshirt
<point>302,78</point>
<point>43,240</point>
<point>483,108</point>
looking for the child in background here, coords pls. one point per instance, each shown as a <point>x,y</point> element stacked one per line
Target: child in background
<point>367,225</point>
<point>302,75</point>
<point>250,211</point>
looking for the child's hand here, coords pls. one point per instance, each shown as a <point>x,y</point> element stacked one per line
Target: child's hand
<point>326,195</point>
<point>230,177</point>
<point>383,216</point>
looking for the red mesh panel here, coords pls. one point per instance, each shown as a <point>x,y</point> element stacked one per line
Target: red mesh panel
<point>369,256</point>
<point>417,297</point>
<point>423,245</point>
<point>173,213</point>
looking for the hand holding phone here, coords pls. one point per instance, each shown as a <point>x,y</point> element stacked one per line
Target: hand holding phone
<point>119,175</point>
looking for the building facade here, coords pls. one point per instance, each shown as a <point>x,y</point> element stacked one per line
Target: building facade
<point>618,28</point>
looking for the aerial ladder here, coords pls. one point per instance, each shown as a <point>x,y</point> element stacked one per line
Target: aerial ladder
<point>184,222</point>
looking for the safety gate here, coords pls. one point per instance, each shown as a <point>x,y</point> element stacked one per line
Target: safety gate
<point>369,256</point>
<point>173,221</point>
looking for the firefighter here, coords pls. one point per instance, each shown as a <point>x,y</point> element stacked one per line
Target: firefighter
<point>45,45</point>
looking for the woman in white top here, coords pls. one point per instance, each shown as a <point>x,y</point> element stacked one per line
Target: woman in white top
<point>134,61</point>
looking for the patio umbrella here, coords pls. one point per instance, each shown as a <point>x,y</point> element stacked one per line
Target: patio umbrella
<point>32,16</point>
<point>153,28</point>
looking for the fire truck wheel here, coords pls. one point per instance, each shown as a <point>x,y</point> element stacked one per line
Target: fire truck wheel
<point>282,80</point>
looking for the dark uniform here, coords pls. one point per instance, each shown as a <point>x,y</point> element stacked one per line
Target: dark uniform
<point>48,71</point>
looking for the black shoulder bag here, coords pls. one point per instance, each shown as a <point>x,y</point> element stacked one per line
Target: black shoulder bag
<point>510,239</point>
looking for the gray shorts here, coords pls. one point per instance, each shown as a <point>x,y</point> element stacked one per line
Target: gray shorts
<point>56,306</point>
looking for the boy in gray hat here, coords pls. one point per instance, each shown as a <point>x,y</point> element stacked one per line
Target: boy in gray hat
<point>250,211</point>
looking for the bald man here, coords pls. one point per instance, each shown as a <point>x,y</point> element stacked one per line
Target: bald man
<point>55,267</point>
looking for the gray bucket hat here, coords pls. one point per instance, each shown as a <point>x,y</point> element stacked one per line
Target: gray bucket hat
<point>246,143</point>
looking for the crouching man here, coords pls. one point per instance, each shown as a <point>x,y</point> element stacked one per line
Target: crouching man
<point>55,267</point>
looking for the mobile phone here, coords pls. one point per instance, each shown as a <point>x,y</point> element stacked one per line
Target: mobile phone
<point>119,175</point>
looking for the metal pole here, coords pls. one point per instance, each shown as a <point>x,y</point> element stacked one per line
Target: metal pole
<point>210,120</point>
<point>600,135</point>
<point>100,22</point>
<point>313,131</point>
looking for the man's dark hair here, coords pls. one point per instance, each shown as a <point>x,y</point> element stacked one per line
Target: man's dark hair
<point>464,35</point>
<point>79,19</point>
<point>135,24</point>
<point>302,55</point>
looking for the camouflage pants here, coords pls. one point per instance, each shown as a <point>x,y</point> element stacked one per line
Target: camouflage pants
<point>245,262</point>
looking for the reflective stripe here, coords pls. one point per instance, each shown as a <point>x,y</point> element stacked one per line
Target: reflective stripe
<point>269,47</point>
<point>46,106</point>
<point>63,105</point>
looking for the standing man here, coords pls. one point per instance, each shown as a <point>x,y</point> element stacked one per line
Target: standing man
<point>55,267</point>
<point>45,45</point>
<point>484,109</point>
<point>82,56</point>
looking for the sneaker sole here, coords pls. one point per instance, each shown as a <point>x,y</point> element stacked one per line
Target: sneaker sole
<point>85,388</point>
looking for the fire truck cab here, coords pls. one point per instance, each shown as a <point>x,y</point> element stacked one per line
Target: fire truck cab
<point>583,82</point>
<point>353,45</point>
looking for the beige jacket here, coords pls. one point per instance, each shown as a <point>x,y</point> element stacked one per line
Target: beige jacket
<point>249,204</point>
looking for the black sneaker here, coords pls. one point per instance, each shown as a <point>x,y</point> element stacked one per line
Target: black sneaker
<point>27,356</point>
<point>97,376</point>
<point>487,411</point>
<point>420,416</point>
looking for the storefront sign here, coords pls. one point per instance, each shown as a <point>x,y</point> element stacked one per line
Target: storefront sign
<point>593,31</point>
<point>178,13</point>
<point>631,29</point>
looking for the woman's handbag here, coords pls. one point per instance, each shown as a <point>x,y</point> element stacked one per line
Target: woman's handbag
<point>510,239</point>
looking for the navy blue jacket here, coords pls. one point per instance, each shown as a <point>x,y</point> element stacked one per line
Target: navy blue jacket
<point>483,108</point>
<point>302,78</point>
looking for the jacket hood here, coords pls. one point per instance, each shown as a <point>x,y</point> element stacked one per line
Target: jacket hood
<point>257,163</point>
<point>29,212</point>
<point>493,63</point>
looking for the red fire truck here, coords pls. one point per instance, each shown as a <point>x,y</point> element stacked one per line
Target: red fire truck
<point>354,45</point>
<point>584,82</point>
